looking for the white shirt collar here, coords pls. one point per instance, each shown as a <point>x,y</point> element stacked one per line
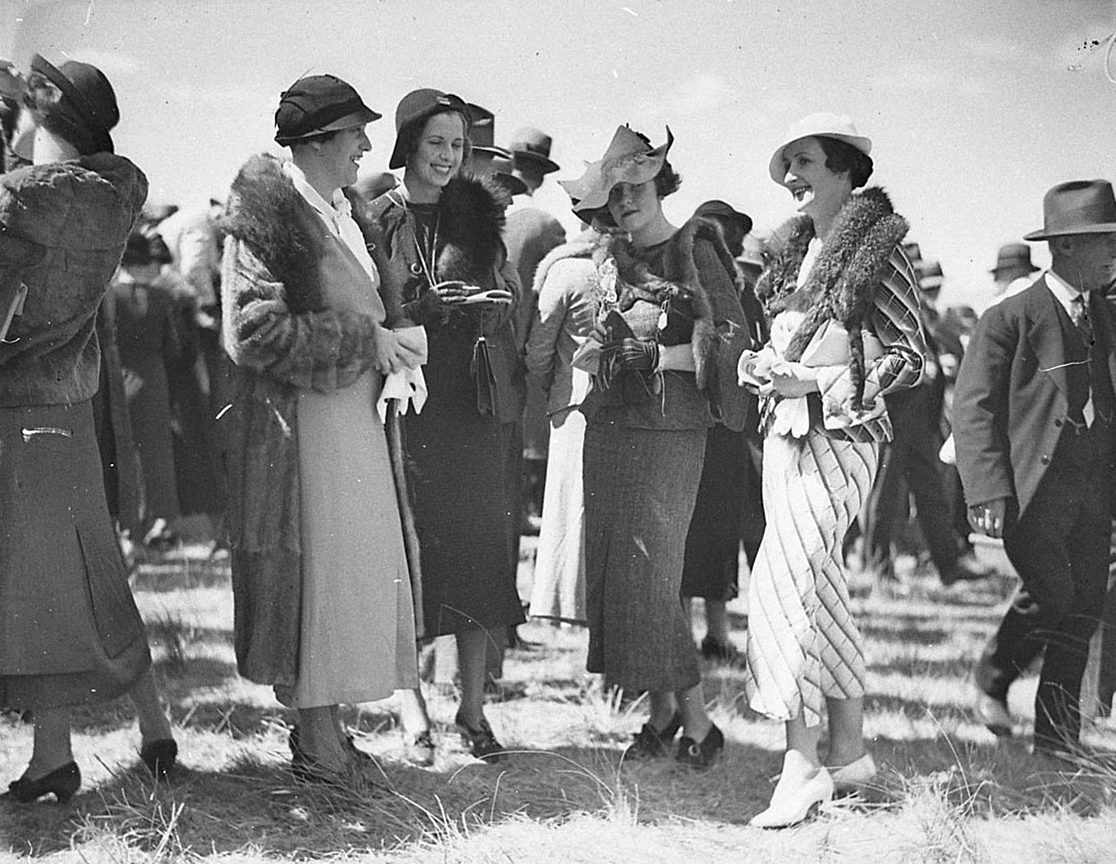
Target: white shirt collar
<point>1063,292</point>
<point>332,211</point>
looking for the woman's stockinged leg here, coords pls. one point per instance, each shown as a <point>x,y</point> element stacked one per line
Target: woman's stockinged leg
<point>804,739</point>
<point>52,742</point>
<point>319,740</point>
<point>846,730</point>
<point>663,708</point>
<point>471,650</point>
<point>691,705</point>
<point>154,725</point>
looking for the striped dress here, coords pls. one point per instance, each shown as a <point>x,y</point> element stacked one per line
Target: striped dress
<point>803,645</point>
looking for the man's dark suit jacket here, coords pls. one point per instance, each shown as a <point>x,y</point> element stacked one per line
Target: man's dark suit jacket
<point>1010,404</point>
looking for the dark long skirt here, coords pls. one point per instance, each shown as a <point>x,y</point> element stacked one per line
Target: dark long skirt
<point>640,489</point>
<point>69,629</point>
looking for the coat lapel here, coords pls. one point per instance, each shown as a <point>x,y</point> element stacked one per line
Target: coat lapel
<point>1044,332</point>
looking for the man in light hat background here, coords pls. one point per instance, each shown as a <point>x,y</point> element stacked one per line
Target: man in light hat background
<point>1035,447</point>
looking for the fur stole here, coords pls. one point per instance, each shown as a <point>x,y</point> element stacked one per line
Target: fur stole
<point>471,222</point>
<point>844,277</point>
<point>679,279</point>
<point>267,213</point>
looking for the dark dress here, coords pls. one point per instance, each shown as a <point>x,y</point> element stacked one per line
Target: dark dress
<point>456,457</point>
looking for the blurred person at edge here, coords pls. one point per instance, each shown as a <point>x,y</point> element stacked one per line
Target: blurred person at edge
<point>845,332</point>
<point>729,492</point>
<point>321,582</point>
<point>1036,447</point>
<point>442,234</point>
<point>669,327</point>
<point>71,633</point>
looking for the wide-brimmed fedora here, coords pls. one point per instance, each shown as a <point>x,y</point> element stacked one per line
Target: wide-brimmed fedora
<point>717,209</point>
<point>482,131</point>
<point>628,159</point>
<point>316,104</point>
<point>1077,207</point>
<point>416,107</point>
<point>88,92</point>
<point>531,148</point>
<point>1014,256</point>
<point>821,125</point>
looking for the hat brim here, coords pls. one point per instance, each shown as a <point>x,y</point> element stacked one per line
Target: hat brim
<point>929,283</point>
<point>349,121</point>
<point>514,185</point>
<point>778,171</point>
<point>1029,267</point>
<point>598,187</point>
<point>1097,228</point>
<point>76,98</point>
<point>540,163</point>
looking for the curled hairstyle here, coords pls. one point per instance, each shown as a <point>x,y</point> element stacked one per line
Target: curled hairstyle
<point>55,113</point>
<point>842,156</point>
<point>409,135</point>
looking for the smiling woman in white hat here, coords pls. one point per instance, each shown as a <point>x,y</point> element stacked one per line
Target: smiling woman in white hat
<point>844,332</point>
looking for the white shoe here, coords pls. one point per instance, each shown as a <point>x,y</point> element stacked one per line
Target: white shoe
<point>801,788</point>
<point>994,714</point>
<point>857,773</point>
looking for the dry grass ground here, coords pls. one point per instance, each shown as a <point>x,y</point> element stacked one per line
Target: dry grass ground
<point>948,791</point>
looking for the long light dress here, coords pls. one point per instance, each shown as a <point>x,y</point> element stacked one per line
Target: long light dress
<point>358,622</point>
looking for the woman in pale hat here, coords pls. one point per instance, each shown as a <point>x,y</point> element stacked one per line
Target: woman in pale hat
<point>69,629</point>
<point>320,574</point>
<point>442,234</point>
<point>845,331</point>
<point>668,318</point>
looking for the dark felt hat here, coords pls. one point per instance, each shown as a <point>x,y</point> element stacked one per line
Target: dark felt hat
<point>502,166</point>
<point>531,148</point>
<point>1014,256</point>
<point>1077,207</point>
<point>482,130</point>
<point>719,210</point>
<point>86,89</point>
<point>316,104</point>
<point>414,108</point>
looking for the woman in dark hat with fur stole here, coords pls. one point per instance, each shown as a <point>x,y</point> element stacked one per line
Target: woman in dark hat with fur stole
<point>845,331</point>
<point>321,580</point>
<point>669,328</point>
<point>442,233</point>
<point>70,632</point>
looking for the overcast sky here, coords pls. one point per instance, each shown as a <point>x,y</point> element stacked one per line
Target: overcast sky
<point>975,107</point>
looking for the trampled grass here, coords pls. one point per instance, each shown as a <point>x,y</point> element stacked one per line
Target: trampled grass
<point>948,791</point>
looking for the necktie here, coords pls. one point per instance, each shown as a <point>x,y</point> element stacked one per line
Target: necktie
<point>1079,312</point>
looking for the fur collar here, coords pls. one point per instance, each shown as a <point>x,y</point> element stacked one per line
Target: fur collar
<point>844,276</point>
<point>266,212</point>
<point>679,279</point>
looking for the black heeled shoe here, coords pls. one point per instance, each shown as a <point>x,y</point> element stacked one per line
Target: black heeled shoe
<point>652,743</point>
<point>482,741</point>
<point>694,755</point>
<point>63,782</point>
<point>160,757</point>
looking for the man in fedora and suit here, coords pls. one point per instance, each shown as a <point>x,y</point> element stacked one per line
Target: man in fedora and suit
<point>1033,419</point>
<point>1013,270</point>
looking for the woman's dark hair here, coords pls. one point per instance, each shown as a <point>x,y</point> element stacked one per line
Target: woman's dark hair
<point>55,113</point>
<point>842,156</point>
<point>667,180</point>
<point>410,134</point>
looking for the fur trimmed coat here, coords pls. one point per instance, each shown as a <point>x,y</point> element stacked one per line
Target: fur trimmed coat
<point>862,280</point>
<point>282,338</point>
<point>693,280</point>
<point>470,248</point>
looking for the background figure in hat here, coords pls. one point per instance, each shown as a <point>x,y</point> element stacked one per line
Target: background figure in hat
<point>442,233</point>
<point>909,463</point>
<point>668,329</point>
<point>1033,419</point>
<point>845,332</point>
<point>320,574</point>
<point>71,631</point>
<point>729,495</point>
<point>1012,272</point>
<point>150,340</point>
